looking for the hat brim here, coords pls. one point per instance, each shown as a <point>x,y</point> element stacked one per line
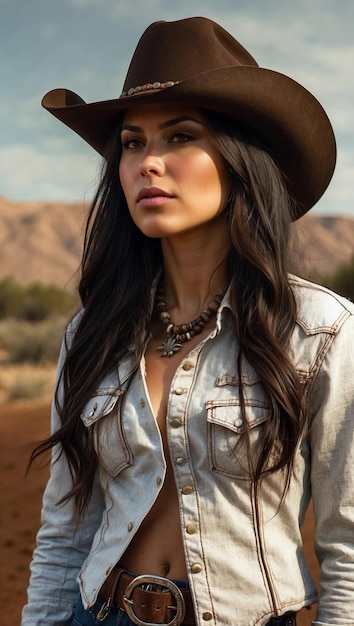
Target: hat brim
<point>287,117</point>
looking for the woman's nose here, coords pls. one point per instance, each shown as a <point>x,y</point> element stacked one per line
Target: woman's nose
<point>152,164</point>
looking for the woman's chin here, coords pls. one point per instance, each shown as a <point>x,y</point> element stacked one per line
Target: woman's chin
<point>158,231</point>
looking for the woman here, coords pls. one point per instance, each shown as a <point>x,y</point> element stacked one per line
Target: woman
<point>203,395</point>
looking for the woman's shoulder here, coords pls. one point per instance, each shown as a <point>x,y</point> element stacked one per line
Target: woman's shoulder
<point>319,308</point>
<point>72,326</point>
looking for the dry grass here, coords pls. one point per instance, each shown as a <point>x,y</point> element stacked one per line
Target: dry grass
<point>27,342</point>
<point>26,382</point>
<point>28,355</point>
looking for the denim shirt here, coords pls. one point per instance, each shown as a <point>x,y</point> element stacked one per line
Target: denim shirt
<point>243,552</point>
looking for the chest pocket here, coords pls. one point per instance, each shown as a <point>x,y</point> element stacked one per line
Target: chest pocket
<point>102,414</point>
<point>230,450</point>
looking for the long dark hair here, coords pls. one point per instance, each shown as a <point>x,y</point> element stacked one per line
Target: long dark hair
<point>263,303</point>
<point>119,266</point>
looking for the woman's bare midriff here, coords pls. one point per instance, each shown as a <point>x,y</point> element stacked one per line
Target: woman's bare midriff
<point>157,547</point>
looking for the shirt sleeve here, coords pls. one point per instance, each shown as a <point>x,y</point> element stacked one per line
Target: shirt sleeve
<point>332,473</point>
<point>61,545</point>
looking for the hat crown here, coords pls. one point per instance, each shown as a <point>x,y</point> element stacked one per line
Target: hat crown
<point>176,51</point>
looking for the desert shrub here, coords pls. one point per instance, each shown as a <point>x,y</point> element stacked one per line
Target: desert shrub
<point>11,295</point>
<point>34,302</point>
<point>26,342</point>
<point>29,386</point>
<point>341,280</point>
<point>40,301</point>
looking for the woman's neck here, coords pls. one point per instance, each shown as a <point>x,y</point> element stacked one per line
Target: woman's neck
<point>194,273</point>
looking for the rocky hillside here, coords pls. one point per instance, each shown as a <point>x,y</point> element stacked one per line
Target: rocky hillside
<point>321,243</point>
<point>41,241</point>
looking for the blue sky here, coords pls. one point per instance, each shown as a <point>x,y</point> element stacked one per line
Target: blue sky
<point>86,45</point>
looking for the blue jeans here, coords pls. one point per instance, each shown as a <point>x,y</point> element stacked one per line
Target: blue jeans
<point>115,617</point>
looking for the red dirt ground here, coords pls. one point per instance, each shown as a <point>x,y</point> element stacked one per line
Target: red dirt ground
<point>20,507</point>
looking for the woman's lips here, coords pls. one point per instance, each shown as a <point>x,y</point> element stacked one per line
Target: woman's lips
<point>153,196</point>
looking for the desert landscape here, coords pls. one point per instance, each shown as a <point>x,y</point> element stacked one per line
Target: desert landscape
<point>41,242</point>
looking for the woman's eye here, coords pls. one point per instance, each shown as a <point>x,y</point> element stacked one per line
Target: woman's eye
<point>181,137</point>
<point>132,143</point>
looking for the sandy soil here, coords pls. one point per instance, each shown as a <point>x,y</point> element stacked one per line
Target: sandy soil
<point>20,425</point>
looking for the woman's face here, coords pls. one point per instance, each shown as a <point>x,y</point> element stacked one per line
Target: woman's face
<point>171,171</point>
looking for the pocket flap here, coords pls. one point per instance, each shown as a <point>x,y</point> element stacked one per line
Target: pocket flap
<point>98,406</point>
<point>228,413</point>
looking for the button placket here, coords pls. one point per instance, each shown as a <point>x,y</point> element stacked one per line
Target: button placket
<point>179,450</point>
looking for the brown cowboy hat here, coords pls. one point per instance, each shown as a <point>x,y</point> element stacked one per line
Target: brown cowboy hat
<point>197,62</point>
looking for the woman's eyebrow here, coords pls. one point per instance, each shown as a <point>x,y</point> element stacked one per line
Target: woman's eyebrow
<point>166,124</point>
<point>179,120</point>
<point>133,129</point>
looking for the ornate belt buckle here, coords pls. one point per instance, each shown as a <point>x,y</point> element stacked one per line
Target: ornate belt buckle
<point>180,607</point>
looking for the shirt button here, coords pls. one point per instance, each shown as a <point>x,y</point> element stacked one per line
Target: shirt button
<point>108,570</point>
<point>187,366</point>
<point>179,391</point>
<point>142,402</point>
<point>239,421</point>
<point>158,480</point>
<point>196,568</point>
<point>207,616</point>
<point>175,423</point>
<point>187,490</point>
<point>130,526</point>
<point>181,460</point>
<point>93,411</point>
<point>191,529</point>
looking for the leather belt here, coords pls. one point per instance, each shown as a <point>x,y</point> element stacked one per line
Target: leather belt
<point>289,619</point>
<point>148,600</point>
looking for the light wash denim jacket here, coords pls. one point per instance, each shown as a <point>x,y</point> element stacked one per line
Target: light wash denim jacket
<point>244,556</point>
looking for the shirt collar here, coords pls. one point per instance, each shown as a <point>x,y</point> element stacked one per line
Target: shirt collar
<point>222,314</point>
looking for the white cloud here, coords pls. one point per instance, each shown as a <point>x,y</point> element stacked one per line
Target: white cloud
<point>343,178</point>
<point>123,9</point>
<point>30,174</point>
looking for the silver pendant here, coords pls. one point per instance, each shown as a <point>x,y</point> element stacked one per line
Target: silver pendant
<point>170,346</point>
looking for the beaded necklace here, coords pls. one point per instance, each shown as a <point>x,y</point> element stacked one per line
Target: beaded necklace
<point>178,334</point>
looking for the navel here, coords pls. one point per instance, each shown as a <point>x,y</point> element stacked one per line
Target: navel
<point>166,568</point>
